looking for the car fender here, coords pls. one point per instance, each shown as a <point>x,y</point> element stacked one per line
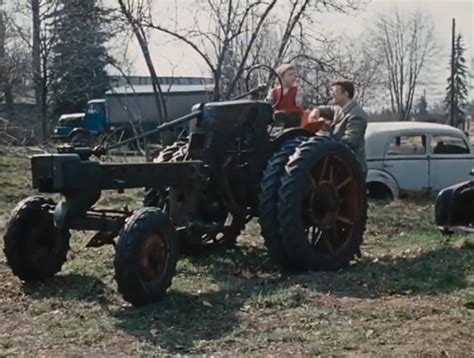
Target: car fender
<point>381,176</point>
<point>79,130</point>
<point>449,210</point>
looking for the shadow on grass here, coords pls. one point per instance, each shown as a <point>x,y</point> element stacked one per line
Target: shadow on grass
<point>435,272</point>
<point>183,320</point>
<point>68,287</point>
<point>245,280</point>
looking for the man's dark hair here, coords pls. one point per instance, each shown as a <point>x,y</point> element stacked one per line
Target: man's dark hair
<point>346,85</point>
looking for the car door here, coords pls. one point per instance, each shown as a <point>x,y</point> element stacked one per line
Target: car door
<point>451,160</point>
<point>406,159</point>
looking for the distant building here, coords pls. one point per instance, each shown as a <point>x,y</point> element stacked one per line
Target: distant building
<point>137,102</point>
<point>120,81</point>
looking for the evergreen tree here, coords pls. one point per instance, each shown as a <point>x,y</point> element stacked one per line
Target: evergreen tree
<point>461,84</point>
<point>80,56</point>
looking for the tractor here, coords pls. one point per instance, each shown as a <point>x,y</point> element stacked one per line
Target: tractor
<point>307,190</point>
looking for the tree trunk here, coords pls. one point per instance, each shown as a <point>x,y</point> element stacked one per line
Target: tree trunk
<point>160,103</point>
<point>36,63</point>
<point>158,94</point>
<point>9,101</point>
<point>243,61</point>
<point>166,137</point>
<point>5,84</point>
<point>43,86</point>
<point>292,21</point>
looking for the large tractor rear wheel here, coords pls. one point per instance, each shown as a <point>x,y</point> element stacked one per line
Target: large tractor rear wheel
<point>322,207</point>
<point>169,151</point>
<point>35,249</point>
<point>146,257</point>
<point>268,201</point>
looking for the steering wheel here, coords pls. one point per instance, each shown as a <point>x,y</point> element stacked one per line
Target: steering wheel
<point>263,89</point>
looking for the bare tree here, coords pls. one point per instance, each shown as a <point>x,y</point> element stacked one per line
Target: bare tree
<point>407,44</point>
<point>297,10</point>
<point>352,59</point>
<point>136,12</point>
<point>213,40</point>
<point>5,86</point>
<point>229,35</point>
<point>36,62</point>
<point>39,40</point>
<point>14,66</point>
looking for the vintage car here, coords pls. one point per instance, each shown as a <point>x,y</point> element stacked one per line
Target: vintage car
<point>415,157</point>
<point>454,208</point>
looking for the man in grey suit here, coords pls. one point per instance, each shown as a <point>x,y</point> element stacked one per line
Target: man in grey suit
<point>346,120</point>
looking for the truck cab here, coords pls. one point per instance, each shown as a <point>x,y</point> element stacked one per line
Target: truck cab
<point>95,116</point>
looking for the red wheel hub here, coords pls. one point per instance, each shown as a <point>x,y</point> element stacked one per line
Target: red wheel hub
<point>154,255</point>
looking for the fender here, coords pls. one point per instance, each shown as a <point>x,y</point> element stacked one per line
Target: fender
<point>79,130</point>
<point>453,206</point>
<point>289,134</point>
<point>381,176</point>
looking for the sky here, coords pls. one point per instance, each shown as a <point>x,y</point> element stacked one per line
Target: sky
<point>172,58</point>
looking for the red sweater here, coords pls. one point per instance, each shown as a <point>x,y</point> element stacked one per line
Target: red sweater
<point>288,102</point>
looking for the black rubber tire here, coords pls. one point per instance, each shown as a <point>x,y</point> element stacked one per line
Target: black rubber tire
<point>132,238</point>
<point>168,152</point>
<point>30,228</point>
<point>303,255</point>
<point>268,201</point>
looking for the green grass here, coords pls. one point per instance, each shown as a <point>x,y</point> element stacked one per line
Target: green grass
<point>412,293</point>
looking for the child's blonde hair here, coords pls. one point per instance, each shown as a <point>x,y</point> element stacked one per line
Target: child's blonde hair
<point>280,70</point>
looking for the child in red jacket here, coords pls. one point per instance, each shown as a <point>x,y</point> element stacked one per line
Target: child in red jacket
<point>289,110</point>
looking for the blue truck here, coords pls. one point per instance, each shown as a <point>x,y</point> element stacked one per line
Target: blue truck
<point>126,110</point>
<point>73,127</point>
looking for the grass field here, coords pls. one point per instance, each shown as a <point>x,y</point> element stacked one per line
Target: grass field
<point>411,294</point>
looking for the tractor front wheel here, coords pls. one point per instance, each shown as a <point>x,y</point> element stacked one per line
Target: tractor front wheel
<point>322,205</point>
<point>146,257</point>
<point>35,249</point>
